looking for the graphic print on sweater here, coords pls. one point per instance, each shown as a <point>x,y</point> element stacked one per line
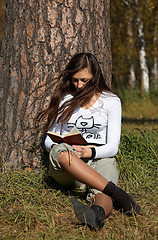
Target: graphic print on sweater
<point>86,126</point>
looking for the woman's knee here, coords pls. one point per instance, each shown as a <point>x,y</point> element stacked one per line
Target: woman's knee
<point>63,157</point>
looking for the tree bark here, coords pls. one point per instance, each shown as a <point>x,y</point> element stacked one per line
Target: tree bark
<point>130,47</point>
<point>39,38</point>
<point>144,80</point>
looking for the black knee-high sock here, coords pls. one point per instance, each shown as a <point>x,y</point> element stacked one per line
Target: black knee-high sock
<point>123,199</point>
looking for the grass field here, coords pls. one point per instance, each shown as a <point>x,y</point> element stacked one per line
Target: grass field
<point>34,207</point>
<point>139,111</point>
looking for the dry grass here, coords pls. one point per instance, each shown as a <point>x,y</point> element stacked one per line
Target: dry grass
<point>30,208</point>
<point>34,207</point>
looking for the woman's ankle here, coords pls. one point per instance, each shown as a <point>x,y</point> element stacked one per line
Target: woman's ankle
<point>123,199</point>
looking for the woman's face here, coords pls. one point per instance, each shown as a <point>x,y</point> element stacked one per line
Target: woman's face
<point>81,78</point>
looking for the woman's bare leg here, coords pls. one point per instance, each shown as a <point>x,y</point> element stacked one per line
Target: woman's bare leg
<point>103,201</point>
<point>85,174</point>
<point>80,171</point>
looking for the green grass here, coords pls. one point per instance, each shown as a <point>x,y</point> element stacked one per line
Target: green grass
<point>140,111</point>
<point>32,206</point>
<point>32,209</point>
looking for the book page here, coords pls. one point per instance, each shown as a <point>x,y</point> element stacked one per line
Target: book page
<point>74,130</point>
<point>53,133</point>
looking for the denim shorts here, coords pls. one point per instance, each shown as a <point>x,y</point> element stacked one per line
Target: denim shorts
<point>107,167</point>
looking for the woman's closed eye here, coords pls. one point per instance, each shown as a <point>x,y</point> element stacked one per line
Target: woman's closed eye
<point>84,80</point>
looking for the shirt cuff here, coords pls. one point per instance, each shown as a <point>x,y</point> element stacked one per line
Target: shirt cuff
<point>93,153</point>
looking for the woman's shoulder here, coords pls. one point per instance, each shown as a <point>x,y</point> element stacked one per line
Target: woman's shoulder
<point>110,96</point>
<point>111,101</point>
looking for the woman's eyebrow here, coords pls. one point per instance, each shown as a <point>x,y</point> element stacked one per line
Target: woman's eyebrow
<point>80,78</point>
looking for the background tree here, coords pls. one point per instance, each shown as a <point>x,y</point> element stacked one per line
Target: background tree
<point>134,43</point>
<point>150,19</point>
<point>130,46</point>
<point>154,68</point>
<point>39,38</point>
<point>120,53</point>
<point>144,76</point>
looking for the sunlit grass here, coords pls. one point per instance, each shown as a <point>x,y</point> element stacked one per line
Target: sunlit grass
<point>138,106</point>
<point>32,206</point>
<point>32,209</point>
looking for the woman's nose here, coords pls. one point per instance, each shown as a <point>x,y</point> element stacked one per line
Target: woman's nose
<point>80,84</point>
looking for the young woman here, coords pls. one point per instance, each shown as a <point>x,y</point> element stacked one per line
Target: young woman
<point>82,99</point>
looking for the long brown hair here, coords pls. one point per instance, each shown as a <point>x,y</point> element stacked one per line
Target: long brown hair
<point>62,86</point>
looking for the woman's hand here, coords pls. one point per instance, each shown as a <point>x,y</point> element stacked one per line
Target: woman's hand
<point>83,151</point>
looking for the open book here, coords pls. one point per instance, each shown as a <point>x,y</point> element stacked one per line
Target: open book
<point>73,137</point>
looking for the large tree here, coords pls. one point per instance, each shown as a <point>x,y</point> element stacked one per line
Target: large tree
<point>39,38</point>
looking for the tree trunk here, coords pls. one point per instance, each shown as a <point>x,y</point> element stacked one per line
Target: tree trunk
<point>154,70</point>
<point>39,38</point>
<point>130,47</point>
<point>144,81</point>
<point>132,76</point>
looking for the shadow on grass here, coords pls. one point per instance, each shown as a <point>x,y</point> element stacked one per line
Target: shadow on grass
<point>139,121</point>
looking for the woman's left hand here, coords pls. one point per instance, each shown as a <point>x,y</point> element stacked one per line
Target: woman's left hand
<point>83,151</point>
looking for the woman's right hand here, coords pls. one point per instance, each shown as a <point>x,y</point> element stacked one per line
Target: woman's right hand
<point>83,151</point>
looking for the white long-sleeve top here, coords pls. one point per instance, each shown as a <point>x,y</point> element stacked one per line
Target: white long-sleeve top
<point>100,125</point>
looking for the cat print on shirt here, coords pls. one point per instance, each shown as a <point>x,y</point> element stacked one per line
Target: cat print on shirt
<point>86,126</point>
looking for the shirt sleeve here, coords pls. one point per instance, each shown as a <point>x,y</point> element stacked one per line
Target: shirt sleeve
<point>113,130</point>
<point>48,141</point>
